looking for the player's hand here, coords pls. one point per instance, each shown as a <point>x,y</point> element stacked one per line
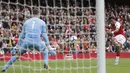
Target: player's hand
<point>17,47</point>
<point>108,30</point>
<point>112,32</point>
<point>51,50</point>
<point>49,47</point>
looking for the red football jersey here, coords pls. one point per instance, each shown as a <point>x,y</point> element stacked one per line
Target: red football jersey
<point>121,30</point>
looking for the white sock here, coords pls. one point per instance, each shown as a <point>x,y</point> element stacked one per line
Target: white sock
<point>117,58</point>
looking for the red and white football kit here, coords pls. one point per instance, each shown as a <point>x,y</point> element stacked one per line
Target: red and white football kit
<point>120,35</point>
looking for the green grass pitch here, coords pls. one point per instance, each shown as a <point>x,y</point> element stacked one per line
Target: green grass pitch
<point>68,66</point>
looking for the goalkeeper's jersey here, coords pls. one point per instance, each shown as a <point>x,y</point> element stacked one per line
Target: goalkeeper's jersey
<point>33,29</point>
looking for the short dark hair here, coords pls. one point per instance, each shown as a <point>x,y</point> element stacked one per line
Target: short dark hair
<point>35,11</point>
<point>111,18</point>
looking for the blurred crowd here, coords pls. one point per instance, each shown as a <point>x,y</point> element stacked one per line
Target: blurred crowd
<point>63,22</point>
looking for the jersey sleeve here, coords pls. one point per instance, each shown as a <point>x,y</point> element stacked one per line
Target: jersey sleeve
<point>117,25</point>
<point>44,34</point>
<point>22,36</point>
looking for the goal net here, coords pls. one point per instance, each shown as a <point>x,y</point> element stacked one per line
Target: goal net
<point>71,30</point>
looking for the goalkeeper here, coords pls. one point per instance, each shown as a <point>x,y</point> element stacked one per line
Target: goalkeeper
<point>30,38</point>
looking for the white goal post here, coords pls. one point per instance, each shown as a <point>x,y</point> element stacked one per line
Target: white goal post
<point>100,22</point>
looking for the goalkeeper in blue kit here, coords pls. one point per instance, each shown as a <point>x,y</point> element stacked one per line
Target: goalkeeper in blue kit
<point>30,39</point>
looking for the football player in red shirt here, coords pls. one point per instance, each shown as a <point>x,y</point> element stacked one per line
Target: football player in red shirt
<point>119,37</point>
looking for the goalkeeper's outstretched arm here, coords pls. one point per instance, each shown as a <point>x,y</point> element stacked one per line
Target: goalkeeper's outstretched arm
<point>44,36</point>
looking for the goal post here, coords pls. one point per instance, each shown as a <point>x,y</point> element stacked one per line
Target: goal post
<point>100,22</point>
<point>64,19</point>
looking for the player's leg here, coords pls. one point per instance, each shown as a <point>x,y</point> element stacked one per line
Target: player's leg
<point>44,51</point>
<point>118,49</point>
<point>15,55</point>
<point>119,41</point>
<point>45,55</point>
<point>12,59</point>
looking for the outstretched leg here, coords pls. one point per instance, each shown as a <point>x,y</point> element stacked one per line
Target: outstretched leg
<point>118,48</point>
<point>15,55</point>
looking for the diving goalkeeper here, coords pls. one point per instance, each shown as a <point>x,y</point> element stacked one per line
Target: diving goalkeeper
<point>30,39</point>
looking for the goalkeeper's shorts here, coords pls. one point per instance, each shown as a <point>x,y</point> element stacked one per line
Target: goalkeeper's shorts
<point>31,45</point>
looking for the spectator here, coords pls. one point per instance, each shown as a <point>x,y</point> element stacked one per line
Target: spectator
<point>127,45</point>
<point>5,47</point>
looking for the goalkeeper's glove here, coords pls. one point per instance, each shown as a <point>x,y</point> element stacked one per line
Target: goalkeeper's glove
<point>49,47</point>
<point>51,50</point>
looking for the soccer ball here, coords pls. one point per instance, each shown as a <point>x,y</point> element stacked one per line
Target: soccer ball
<point>73,38</point>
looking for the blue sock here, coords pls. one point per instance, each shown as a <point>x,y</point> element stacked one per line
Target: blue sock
<point>10,62</point>
<point>45,55</point>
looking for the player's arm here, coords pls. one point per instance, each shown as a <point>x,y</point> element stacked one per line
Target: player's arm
<point>45,37</point>
<point>21,37</point>
<point>117,25</point>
